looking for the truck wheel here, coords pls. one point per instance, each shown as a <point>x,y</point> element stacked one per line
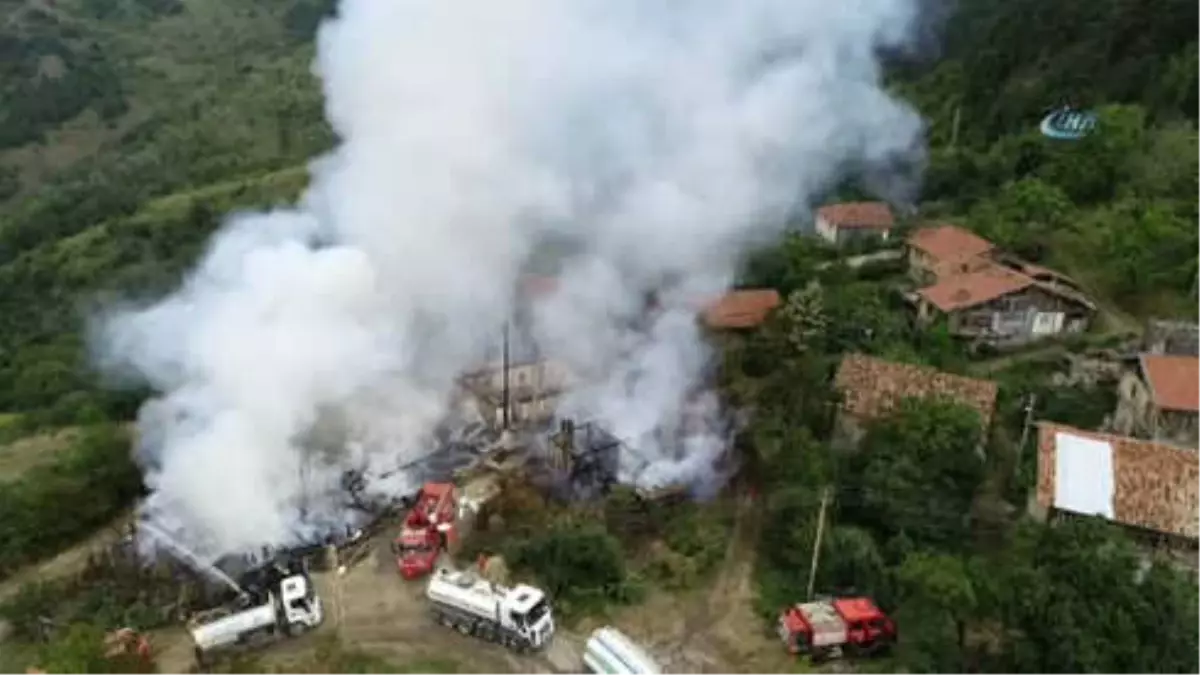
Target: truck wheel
<point>464,628</point>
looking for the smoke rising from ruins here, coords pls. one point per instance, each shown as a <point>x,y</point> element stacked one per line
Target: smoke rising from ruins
<point>661,140</point>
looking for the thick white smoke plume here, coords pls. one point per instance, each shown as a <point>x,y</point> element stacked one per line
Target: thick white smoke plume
<point>661,140</point>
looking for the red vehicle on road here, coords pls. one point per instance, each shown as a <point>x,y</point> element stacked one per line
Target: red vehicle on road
<point>830,628</point>
<point>429,529</point>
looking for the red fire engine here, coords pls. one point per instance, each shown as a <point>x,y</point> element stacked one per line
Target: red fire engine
<point>428,530</point>
<point>828,628</point>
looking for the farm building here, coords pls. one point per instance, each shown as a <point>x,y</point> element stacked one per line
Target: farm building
<point>1147,487</point>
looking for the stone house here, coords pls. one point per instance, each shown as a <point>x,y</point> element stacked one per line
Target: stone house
<point>842,223</point>
<point>1181,338</point>
<point>1149,488</point>
<point>988,296</point>
<point>1160,400</point>
<point>535,388</point>
<point>998,306</point>
<point>872,388</point>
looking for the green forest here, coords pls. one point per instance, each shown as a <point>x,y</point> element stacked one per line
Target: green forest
<point>131,126</point>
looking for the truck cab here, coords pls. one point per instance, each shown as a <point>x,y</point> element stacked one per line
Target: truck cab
<point>526,611</point>
<point>428,530</point>
<point>832,627</point>
<point>301,608</point>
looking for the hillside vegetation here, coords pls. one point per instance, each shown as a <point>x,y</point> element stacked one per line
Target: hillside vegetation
<point>1116,210</point>
<point>918,519</point>
<point>131,126</point>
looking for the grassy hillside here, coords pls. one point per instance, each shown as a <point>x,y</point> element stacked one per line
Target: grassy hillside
<point>129,126</point>
<point>189,94</point>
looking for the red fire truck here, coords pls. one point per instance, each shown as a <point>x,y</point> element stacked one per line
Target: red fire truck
<point>834,627</point>
<point>428,530</point>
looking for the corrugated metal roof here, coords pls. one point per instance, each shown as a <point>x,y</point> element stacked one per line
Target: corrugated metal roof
<point>1155,486</point>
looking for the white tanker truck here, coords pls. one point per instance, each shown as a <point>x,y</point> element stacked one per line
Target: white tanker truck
<point>518,618</point>
<point>291,608</point>
<point>608,650</point>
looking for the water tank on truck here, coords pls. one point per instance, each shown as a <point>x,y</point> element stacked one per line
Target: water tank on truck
<point>519,618</point>
<point>290,609</point>
<point>608,650</point>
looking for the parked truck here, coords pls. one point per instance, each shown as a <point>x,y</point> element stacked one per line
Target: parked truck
<point>291,608</point>
<point>518,618</point>
<point>608,650</point>
<point>429,529</point>
<point>829,628</point>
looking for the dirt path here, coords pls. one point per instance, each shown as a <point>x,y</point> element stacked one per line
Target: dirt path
<point>710,630</point>
<point>735,633</point>
<point>715,629</point>
<point>374,610</point>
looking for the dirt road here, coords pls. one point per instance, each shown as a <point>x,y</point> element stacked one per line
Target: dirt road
<point>709,630</point>
<point>713,629</point>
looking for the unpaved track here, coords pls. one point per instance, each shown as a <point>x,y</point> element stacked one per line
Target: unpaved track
<point>374,610</point>
<point>714,629</point>
<point>710,630</point>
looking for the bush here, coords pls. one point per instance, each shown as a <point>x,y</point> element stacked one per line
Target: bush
<point>58,503</point>
<point>580,567</point>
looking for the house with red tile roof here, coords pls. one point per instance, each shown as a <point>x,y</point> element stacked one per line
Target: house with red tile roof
<point>1150,488</point>
<point>988,296</point>
<point>841,223</point>
<point>1000,306</point>
<point>872,388</point>
<point>1160,400</point>
<point>942,250</point>
<point>741,309</point>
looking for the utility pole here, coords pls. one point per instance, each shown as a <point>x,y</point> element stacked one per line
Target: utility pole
<point>816,554</point>
<point>504,375</point>
<point>1025,429</point>
<point>954,125</point>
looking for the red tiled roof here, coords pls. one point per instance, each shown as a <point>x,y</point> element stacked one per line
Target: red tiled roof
<point>868,215</point>
<point>534,286</point>
<point>1154,485</point>
<point>741,309</point>
<point>1173,381</point>
<point>974,288</point>
<point>949,242</point>
<point>873,387</point>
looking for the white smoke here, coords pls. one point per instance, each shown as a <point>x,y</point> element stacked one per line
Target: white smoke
<point>662,140</point>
